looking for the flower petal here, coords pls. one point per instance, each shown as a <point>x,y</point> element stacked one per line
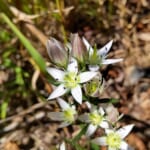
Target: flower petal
<point>84,118</point>
<point>105,49</point>
<point>93,67</point>
<point>111,61</point>
<point>89,105</point>
<point>104,124</point>
<point>77,94</point>
<point>100,141</point>
<point>64,124</point>
<point>62,146</point>
<point>90,130</point>
<point>124,145</point>
<point>86,76</point>
<point>64,105</point>
<point>60,90</point>
<point>56,73</point>
<point>101,111</point>
<point>57,116</point>
<point>88,46</point>
<point>108,131</point>
<point>124,131</point>
<point>73,66</point>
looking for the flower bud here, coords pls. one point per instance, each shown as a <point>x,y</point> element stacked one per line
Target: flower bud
<point>57,52</point>
<point>79,50</point>
<point>112,117</point>
<point>94,87</point>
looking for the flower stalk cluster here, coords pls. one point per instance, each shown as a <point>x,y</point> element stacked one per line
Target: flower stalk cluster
<point>76,69</point>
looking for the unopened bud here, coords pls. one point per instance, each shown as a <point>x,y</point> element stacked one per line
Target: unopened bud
<point>79,50</point>
<point>57,52</point>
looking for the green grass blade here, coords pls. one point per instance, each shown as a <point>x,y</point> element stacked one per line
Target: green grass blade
<point>3,109</point>
<point>32,51</point>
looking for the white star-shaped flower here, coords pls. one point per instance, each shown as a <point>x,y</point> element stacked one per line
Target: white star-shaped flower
<point>99,55</point>
<point>95,119</point>
<point>67,116</point>
<point>70,80</point>
<point>114,139</point>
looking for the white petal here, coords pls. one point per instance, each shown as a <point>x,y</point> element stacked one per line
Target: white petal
<point>111,61</point>
<point>108,131</point>
<point>57,116</point>
<point>93,67</point>
<point>101,111</point>
<point>100,141</point>
<point>59,91</point>
<point>124,146</point>
<point>62,146</point>
<point>93,108</point>
<point>124,131</point>
<point>64,124</point>
<point>104,124</point>
<point>86,76</point>
<point>73,66</point>
<point>64,105</point>
<point>105,49</point>
<point>90,130</point>
<point>84,118</point>
<point>89,105</point>
<point>56,73</point>
<point>88,46</point>
<point>77,94</point>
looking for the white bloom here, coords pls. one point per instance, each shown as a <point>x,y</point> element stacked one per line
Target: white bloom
<point>70,80</point>
<point>114,139</point>
<point>95,119</point>
<point>68,114</point>
<point>62,146</point>
<point>99,56</point>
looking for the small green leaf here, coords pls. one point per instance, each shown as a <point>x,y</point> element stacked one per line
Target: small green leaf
<point>94,147</point>
<point>3,109</point>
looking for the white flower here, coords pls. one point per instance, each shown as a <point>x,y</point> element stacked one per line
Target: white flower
<point>68,114</point>
<point>114,139</point>
<point>62,146</point>
<point>98,57</point>
<point>95,119</point>
<point>70,80</point>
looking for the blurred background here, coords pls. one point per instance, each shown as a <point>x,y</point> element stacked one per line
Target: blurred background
<point>25,27</point>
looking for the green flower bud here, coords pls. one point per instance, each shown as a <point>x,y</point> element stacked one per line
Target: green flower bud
<point>94,87</point>
<point>79,50</point>
<point>57,52</point>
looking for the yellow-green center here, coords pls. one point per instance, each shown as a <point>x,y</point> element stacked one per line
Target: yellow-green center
<point>95,59</point>
<point>96,118</point>
<point>113,140</point>
<point>69,114</point>
<point>91,87</point>
<point>71,80</point>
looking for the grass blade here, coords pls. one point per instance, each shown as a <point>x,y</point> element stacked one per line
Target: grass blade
<point>32,51</point>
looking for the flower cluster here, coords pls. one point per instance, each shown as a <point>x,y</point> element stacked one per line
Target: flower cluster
<point>76,72</point>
